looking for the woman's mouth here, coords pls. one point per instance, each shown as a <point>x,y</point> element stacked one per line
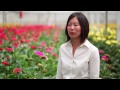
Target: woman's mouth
<point>72,33</point>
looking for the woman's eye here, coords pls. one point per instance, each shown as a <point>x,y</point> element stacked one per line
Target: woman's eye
<point>69,24</point>
<point>76,25</point>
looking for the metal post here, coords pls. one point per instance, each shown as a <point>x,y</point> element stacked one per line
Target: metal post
<point>92,20</point>
<point>4,17</point>
<point>98,20</point>
<point>118,25</point>
<point>106,22</point>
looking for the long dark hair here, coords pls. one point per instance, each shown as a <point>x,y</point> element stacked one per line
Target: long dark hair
<point>83,23</point>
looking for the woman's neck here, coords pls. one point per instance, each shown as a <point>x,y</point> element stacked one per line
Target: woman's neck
<point>75,42</point>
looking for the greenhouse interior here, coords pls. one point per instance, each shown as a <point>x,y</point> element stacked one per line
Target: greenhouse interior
<point>30,42</point>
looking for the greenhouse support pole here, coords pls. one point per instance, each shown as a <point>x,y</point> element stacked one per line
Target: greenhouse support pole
<point>4,17</point>
<point>106,22</point>
<point>118,26</point>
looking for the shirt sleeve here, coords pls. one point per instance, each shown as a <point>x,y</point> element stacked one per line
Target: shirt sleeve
<point>94,65</point>
<point>59,68</point>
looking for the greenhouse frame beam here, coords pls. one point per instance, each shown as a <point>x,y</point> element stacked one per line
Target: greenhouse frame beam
<point>4,17</point>
<point>118,26</point>
<point>106,21</point>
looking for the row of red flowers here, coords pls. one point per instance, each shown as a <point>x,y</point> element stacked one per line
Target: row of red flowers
<point>12,41</point>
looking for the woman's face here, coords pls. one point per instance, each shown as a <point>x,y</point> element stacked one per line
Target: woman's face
<point>74,28</point>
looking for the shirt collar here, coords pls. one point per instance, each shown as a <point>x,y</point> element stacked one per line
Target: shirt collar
<point>86,43</point>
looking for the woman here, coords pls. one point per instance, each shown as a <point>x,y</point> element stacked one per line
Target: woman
<point>78,58</point>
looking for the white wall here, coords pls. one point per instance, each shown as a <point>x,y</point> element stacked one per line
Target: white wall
<point>56,17</point>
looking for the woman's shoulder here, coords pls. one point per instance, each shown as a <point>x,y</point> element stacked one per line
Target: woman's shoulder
<point>63,45</point>
<point>93,47</point>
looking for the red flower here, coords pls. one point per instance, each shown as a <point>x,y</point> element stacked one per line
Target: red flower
<point>1,49</point>
<point>38,53</point>
<point>16,44</point>
<point>43,44</point>
<point>105,58</point>
<point>1,42</point>
<point>49,49</point>
<point>13,39</point>
<point>54,54</point>
<point>9,49</point>
<point>17,70</point>
<point>27,41</point>
<point>101,52</point>
<point>35,39</point>
<point>5,63</point>
<point>33,47</point>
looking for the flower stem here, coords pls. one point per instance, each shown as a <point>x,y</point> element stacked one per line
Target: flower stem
<point>17,76</point>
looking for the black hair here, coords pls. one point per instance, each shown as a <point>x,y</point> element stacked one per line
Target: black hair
<point>83,23</point>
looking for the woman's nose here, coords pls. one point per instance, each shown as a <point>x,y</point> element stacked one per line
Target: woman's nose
<point>72,26</point>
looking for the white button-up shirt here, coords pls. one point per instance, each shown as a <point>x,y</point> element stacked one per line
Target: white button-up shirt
<point>85,64</point>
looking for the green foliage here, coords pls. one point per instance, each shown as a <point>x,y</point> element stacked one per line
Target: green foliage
<point>110,69</point>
